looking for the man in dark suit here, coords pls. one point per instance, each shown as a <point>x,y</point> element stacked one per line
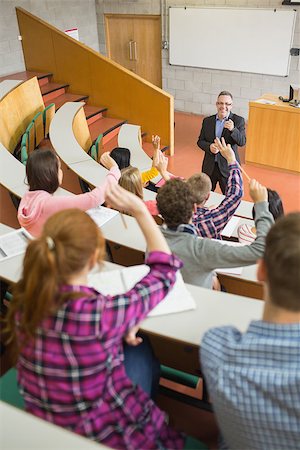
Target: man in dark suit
<point>223,124</point>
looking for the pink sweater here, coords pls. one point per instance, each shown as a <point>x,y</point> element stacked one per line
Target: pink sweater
<point>37,206</point>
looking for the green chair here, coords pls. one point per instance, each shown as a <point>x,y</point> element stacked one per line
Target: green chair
<point>9,391</point>
<point>179,377</point>
<point>39,133</point>
<point>48,115</point>
<point>94,153</point>
<point>98,144</point>
<point>31,137</point>
<point>24,148</point>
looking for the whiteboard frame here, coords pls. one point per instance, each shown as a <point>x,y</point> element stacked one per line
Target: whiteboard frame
<point>185,60</point>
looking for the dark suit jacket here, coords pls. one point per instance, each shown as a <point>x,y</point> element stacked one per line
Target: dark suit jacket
<point>236,137</point>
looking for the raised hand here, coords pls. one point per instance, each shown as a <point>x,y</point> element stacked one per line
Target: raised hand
<point>258,192</point>
<point>225,150</point>
<point>107,161</point>
<point>156,142</point>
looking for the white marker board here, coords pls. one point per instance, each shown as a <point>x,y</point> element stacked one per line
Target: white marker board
<point>244,40</point>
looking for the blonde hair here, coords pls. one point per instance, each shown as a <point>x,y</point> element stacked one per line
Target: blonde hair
<point>68,240</point>
<point>131,180</point>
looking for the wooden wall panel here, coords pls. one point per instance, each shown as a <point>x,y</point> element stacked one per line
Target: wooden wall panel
<point>108,84</point>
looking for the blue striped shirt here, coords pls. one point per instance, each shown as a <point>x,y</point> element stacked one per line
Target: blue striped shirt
<point>253,380</point>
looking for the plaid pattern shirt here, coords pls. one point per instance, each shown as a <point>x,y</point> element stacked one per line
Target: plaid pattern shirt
<point>254,383</point>
<point>72,373</point>
<point>210,222</point>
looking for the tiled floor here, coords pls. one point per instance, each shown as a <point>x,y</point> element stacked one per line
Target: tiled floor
<point>188,160</point>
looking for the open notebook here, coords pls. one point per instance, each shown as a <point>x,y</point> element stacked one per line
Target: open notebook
<point>101,215</point>
<point>119,281</point>
<point>14,243</point>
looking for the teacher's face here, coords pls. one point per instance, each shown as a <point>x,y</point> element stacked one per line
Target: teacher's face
<point>224,106</point>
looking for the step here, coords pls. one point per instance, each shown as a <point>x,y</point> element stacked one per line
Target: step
<point>27,75</point>
<point>108,126</point>
<point>52,90</point>
<point>111,144</point>
<point>67,97</point>
<point>93,113</point>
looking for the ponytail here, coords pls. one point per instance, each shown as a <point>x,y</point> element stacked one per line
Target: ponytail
<point>68,241</point>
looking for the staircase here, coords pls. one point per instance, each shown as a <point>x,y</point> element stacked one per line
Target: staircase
<point>96,116</point>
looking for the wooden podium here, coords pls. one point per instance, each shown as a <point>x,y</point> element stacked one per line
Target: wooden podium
<point>273,134</point>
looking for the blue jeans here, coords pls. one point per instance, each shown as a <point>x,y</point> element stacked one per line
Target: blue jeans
<point>141,366</point>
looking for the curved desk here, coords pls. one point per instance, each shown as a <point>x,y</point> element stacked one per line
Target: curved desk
<point>13,175</point>
<point>70,151</point>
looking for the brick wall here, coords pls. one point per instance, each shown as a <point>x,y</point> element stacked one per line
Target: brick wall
<point>62,14</point>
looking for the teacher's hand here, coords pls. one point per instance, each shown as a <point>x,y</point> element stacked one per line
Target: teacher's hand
<point>229,125</point>
<point>214,149</point>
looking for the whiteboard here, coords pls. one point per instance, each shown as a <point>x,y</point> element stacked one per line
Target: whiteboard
<point>245,40</point>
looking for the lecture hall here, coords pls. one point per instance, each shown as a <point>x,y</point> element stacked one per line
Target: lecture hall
<point>149,224</point>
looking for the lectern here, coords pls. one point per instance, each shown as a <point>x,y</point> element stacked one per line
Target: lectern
<point>273,134</point>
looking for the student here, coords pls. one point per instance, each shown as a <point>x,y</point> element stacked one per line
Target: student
<point>202,256</point>
<point>246,233</point>
<point>253,378</point>
<point>131,181</point>
<point>122,157</point>
<point>210,222</point>
<point>44,176</point>
<point>69,335</point>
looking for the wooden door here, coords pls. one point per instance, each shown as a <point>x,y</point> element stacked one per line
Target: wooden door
<point>135,42</point>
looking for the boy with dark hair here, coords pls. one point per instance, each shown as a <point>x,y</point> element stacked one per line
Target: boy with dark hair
<point>202,256</point>
<point>253,378</point>
<point>210,222</point>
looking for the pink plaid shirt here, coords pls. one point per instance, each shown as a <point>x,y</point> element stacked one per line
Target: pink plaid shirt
<point>72,373</point>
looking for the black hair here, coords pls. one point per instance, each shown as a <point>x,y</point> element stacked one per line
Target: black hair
<point>122,157</point>
<point>275,205</point>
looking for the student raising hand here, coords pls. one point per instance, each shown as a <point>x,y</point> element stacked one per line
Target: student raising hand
<point>156,142</point>
<point>107,161</point>
<point>225,150</point>
<point>258,192</point>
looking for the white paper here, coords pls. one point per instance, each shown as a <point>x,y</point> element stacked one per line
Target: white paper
<point>117,282</point>
<point>231,225</point>
<point>13,243</point>
<point>264,101</point>
<point>73,32</point>
<point>101,215</point>
<point>233,270</point>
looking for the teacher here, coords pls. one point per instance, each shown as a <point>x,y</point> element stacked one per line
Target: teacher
<point>223,124</point>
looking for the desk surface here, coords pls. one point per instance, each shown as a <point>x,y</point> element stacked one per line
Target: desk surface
<point>132,237</point>
<point>8,85</point>
<point>21,430</point>
<point>13,175</point>
<point>62,135</point>
<point>244,209</point>
<point>69,150</point>
<point>213,308</point>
